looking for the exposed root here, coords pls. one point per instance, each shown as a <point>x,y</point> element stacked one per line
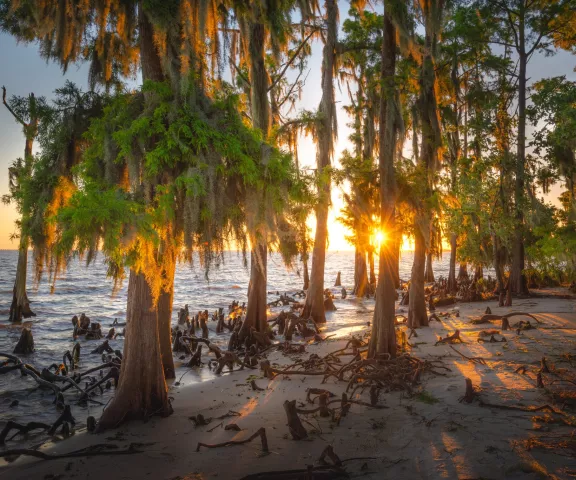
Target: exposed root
<point>455,337</point>
<point>91,451</point>
<point>261,432</point>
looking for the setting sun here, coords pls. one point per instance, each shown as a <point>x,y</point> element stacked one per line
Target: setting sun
<point>380,237</point>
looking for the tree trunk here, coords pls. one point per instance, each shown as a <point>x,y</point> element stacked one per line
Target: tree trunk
<point>463,272</point>
<point>417,316</point>
<point>256,310</point>
<point>306,274</point>
<point>497,260</point>
<point>372,272</point>
<point>164,308</point>
<point>360,273</point>
<point>260,110</point>
<point>314,306</point>
<point>149,58</point>
<point>452,285</point>
<point>141,389</point>
<point>383,338</point>
<point>396,260</point>
<point>326,133</point>
<point>20,307</point>
<point>428,272</point>
<point>517,278</point>
<point>478,273</point>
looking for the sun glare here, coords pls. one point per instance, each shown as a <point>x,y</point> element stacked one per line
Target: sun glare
<point>380,237</point>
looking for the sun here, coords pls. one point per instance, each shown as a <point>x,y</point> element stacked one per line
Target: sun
<point>380,237</point>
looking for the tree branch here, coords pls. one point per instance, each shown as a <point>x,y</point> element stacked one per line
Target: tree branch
<point>24,124</point>
<point>281,74</point>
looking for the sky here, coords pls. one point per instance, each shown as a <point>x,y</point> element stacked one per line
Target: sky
<point>24,72</point>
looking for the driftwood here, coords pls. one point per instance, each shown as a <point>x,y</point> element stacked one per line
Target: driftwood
<point>26,343</point>
<point>261,432</point>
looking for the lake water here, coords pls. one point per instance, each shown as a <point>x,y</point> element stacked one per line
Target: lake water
<point>86,289</point>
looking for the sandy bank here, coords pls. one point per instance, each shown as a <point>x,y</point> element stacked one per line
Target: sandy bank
<point>427,435</point>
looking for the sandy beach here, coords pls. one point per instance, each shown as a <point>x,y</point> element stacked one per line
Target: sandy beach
<point>428,434</point>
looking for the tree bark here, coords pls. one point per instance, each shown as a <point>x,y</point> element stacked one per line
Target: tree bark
<point>141,389</point>
<point>256,310</point>
<point>20,306</point>
<point>383,338</point>
<point>452,285</point>
<point>360,273</point>
<point>372,272</point>
<point>417,316</point>
<point>396,265</point>
<point>518,281</point>
<point>497,260</point>
<point>314,306</point>
<point>260,110</point>
<point>428,272</point>
<point>165,302</point>
<point>463,272</point>
<point>306,273</point>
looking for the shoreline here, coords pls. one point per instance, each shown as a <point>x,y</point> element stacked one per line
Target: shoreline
<point>429,434</point>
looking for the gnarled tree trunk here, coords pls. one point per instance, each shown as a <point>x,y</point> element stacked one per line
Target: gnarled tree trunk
<point>141,389</point>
